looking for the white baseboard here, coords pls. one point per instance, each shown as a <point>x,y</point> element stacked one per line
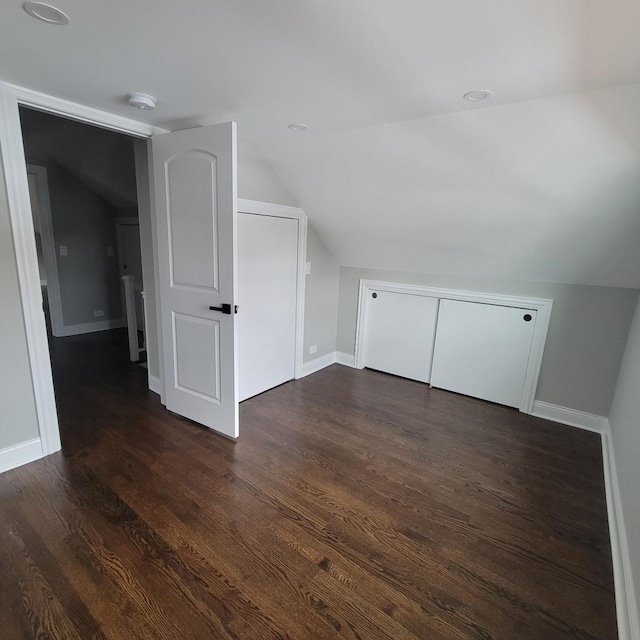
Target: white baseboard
<point>626,603</point>
<point>20,454</point>
<point>572,417</point>
<point>345,359</point>
<point>154,384</point>
<point>312,366</point>
<point>91,327</point>
<point>317,364</point>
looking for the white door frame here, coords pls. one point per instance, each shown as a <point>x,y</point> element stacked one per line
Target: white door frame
<point>15,170</point>
<point>541,305</point>
<point>295,213</point>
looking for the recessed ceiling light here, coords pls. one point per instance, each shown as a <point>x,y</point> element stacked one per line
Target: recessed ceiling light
<point>296,126</point>
<point>142,101</point>
<point>45,13</point>
<point>476,96</point>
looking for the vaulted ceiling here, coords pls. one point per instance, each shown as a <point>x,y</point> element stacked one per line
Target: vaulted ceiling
<point>396,170</point>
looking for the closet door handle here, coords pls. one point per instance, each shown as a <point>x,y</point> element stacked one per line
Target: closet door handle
<point>225,308</point>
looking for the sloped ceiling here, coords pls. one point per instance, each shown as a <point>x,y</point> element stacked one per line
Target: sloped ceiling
<point>396,169</point>
<point>545,190</point>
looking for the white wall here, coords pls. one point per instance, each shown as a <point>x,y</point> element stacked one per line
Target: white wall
<point>587,333</point>
<point>625,436</point>
<point>544,190</point>
<point>256,178</point>
<point>18,420</point>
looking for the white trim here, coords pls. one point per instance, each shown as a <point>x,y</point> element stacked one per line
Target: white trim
<point>345,359</point>
<point>48,249</point>
<point>571,417</point>
<point>149,238</point>
<point>20,454</point>
<point>295,213</point>
<point>541,306</point>
<point>269,209</point>
<point>318,364</point>
<point>335,357</point>
<point>92,327</point>
<point>15,173</point>
<point>155,385</point>
<point>82,113</point>
<point>626,604</point>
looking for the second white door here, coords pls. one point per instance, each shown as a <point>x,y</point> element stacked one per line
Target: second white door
<point>267,295</point>
<point>482,350</point>
<point>400,331</point>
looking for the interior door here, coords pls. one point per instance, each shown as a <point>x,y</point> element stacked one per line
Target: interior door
<point>195,197</point>
<point>482,350</point>
<point>267,295</point>
<point>400,330</point>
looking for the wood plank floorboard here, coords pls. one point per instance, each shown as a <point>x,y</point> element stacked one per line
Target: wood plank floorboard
<point>354,505</point>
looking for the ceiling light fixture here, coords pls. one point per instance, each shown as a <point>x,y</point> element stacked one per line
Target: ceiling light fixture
<point>45,13</point>
<point>296,126</point>
<point>476,96</point>
<point>142,101</point>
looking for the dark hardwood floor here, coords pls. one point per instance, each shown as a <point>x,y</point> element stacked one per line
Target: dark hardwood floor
<point>354,505</point>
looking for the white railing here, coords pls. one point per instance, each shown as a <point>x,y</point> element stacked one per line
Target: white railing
<point>132,318</point>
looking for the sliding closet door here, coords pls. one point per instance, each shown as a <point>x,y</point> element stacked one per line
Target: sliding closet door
<point>400,333</point>
<point>482,350</point>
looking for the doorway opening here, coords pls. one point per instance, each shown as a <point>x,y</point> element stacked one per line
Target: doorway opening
<point>84,200</point>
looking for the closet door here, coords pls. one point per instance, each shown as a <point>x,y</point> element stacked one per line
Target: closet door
<point>400,330</point>
<point>482,350</point>
<point>267,295</point>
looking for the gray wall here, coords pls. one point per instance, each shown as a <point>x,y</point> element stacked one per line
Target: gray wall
<point>587,333</point>
<point>91,178</point>
<point>321,298</point>
<point>18,421</point>
<point>102,159</point>
<point>85,224</point>
<point>625,435</point>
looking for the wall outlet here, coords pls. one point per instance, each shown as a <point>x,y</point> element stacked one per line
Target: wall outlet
<point>63,250</point>
<point>98,313</point>
<point>110,252</point>
<point>313,348</point>
<point>307,268</point>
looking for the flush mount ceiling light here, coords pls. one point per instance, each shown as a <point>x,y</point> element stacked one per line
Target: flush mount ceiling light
<point>45,13</point>
<point>476,96</point>
<point>142,101</point>
<point>296,126</point>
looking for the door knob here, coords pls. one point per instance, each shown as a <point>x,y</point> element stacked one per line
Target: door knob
<point>225,308</point>
<point>527,317</point>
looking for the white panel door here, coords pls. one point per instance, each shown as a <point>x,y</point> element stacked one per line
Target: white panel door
<point>267,294</point>
<point>482,350</point>
<point>195,192</point>
<point>400,330</point>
